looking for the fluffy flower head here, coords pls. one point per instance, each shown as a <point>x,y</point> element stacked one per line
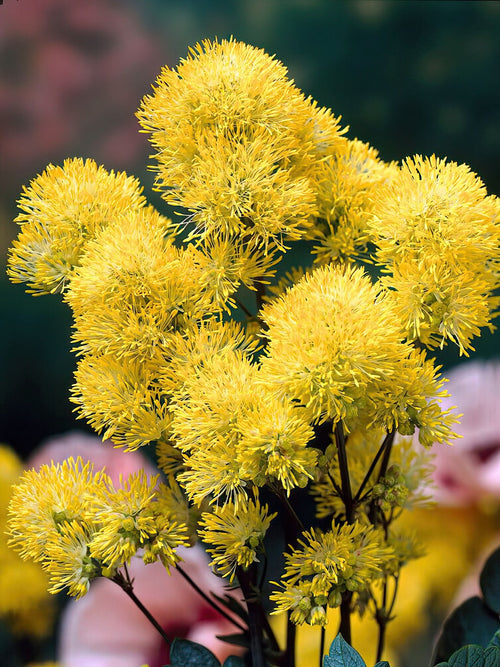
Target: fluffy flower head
<point>61,210</point>
<point>330,336</point>
<point>234,535</point>
<point>438,237</point>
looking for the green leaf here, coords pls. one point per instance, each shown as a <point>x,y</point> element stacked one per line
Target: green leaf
<point>468,656</point>
<point>342,655</point>
<point>475,656</point>
<point>489,581</point>
<point>495,640</point>
<point>492,656</point>
<point>470,623</point>
<point>234,661</point>
<point>184,653</point>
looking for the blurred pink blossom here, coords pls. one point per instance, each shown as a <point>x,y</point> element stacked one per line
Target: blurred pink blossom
<point>90,448</point>
<point>468,471</point>
<point>71,78</point>
<point>105,628</point>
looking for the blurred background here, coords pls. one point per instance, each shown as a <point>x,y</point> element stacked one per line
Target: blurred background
<point>407,76</point>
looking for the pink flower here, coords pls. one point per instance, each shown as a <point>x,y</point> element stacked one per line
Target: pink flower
<point>71,78</point>
<point>90,448</point>
<point>105,628</point>
<point>468,472</point>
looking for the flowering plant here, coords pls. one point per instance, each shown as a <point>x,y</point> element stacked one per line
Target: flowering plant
<point>282,411</point>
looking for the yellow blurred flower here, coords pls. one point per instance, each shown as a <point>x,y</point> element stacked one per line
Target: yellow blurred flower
<point>25,606</point>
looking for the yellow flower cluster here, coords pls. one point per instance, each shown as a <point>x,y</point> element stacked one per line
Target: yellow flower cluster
<point>78,526</point>
<point>60,210</point>
<point>309,397</point>
<point>325,565</point>
<point>236,536</point>
<point>238,145</point>
<point>348,181</point>
<point>438,237</point>
<point>335,346</point>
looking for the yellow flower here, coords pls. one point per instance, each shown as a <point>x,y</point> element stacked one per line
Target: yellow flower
<point>330,336</point>
<point>44,501</point>
<point>213,472</point>
<point>207,406</point>
<point>132,407</point>
<point>25,606</point>
<point>438,236</point>
<point>411,399</point>
<point>237,143</point>
<point>273,445</point>
<point>134,288</point>
<point>67,558</point>
<point>130,519</point>
<point>60,211</point>
<point>324,565</point>
<point>212,338</point>
<point>230,263</point>
<point>172,502</point>
<point>347,182</point>
<point>234,535</point>
<point>239,188</point>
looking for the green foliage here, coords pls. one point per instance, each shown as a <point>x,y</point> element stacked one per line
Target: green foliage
<point>475,621</point>
<point>489,581</point>
<point>470,623</point>
<point>190,654</point>
<point>474,656</point>
<point>341,654</point>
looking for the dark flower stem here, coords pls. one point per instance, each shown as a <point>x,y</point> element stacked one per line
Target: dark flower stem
<point>207,599</point>
<point>384,615</point>
<point>345,617</point>
<point>243,308</point>
<point>345,605</point>
<point>386,445</point>
<point>126,584</point>
<point>291,633</point>
<point>260,294</point>
<point>293,524</point>
<point>344,473</point>
<point>247,580</point>
<point>387,454</point>
<point>322,645</point>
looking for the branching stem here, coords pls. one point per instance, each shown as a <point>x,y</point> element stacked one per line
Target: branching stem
<point>344,473</point>
<point>247,581</point>
<point>386,444</point>
<point>211,602</point>
<point>126,584</point>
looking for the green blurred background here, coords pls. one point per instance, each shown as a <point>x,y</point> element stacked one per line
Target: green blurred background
<point>407,76</point>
